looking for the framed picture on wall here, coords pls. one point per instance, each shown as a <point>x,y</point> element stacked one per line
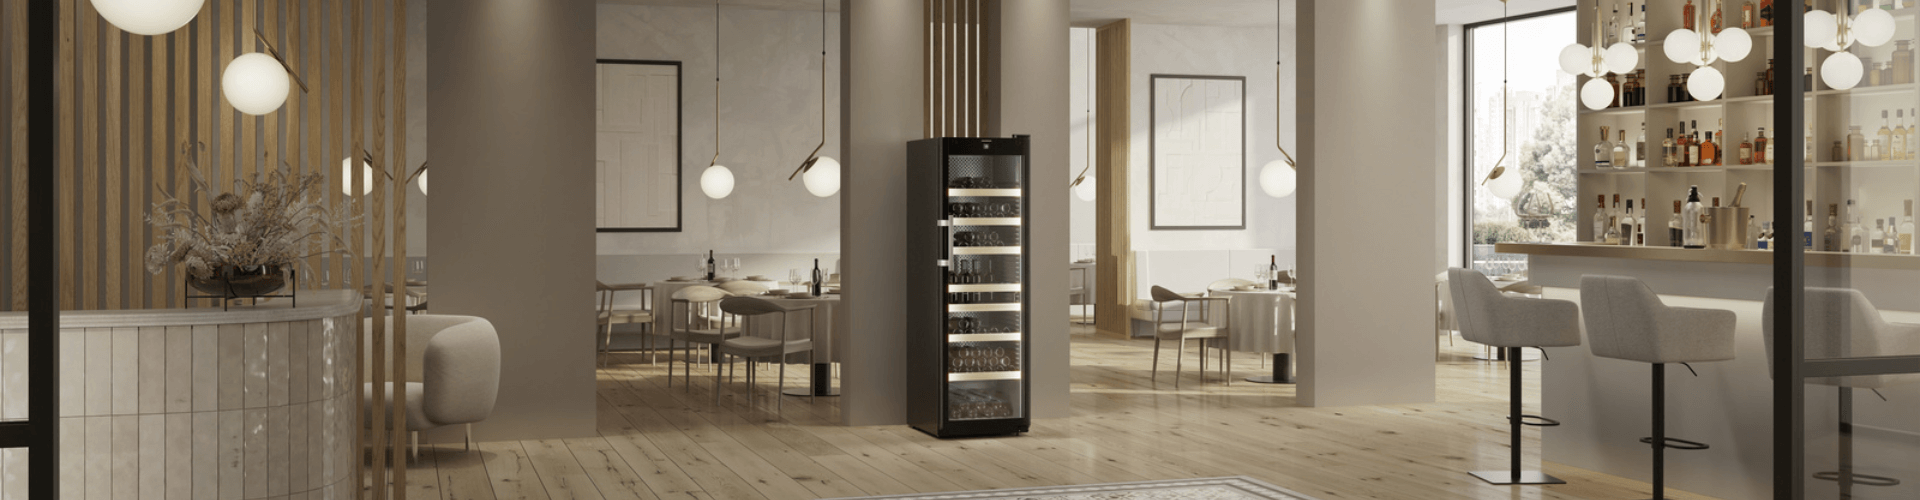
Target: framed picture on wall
<point>637,146</point>
<point>1197,171</point>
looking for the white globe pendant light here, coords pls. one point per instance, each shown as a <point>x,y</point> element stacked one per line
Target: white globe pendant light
<point>1276,179</point>
<point>1732,44</point>
<point>1596,94</point>
<point>1506,186</point>
<point>1086,190</point>
<point>1706,83</point>
<point>255,83</point>
<point>1577,59</point>
<point>366,178</point>
<point>1821,28</point>
<point>148,17</point>
<point>716,182</point>
<point>1682,46</point>
<point>1873,27</point>
<point>823,180</point>
<point>423,183</point>
<point>1622,58</point>
<point>1841,71</point>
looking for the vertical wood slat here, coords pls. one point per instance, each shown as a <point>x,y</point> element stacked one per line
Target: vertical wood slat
<point>89,279</point>
<point>375,345</point>
<point>207,106</point>
<point>247,161</point>
<point>17,74</point>
<point>224,32</point>
<point>311,62</point>
<point>7,165</point>
<point>927,75</point>
<point>131,255</point>
<point>399,211</point>
<point>337,142</point>
<point>65,92</point>
<point>111,259</point>
<point>162,174</point>
<point>385,445</point>
<point>270,123</point>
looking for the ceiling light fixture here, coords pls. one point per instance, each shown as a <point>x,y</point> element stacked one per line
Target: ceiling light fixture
<point>148,17</point>
<point>1508,186</point>
<point>1084,186</point>
<point>1704,47</point>
<point>257,83</point>
<point>717,180</point>
<point>821,174</point>
<point>1275,181</point>
<point>1595,62</point>
<point>1838,32</point>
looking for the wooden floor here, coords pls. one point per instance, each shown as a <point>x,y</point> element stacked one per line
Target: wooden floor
<point>667,443</point>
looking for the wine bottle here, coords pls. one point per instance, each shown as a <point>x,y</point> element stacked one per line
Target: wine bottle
<point>1273,272</point>
<point>818,279</point>
<point>710,267</point>
<point>1692,223</point>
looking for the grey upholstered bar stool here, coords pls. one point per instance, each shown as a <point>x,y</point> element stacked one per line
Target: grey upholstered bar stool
<point>1625,320</point>
<point>1489,317</point>
<point>1841,323</point>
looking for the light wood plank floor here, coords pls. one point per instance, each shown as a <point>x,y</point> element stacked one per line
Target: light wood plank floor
<point>658,442</point>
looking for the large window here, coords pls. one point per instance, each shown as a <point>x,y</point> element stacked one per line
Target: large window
<point>1531,124</point>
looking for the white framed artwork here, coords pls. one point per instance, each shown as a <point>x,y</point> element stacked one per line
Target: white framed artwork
<point>1197,169</point>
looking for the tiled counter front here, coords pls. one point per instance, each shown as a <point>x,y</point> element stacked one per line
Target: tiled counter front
<point>254,410</point>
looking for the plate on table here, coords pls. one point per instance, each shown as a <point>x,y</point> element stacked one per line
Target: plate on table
<point>757,277</point>
<point>680,278</point>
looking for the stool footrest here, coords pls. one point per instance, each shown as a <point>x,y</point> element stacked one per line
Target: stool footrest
<point>1858,479</point>
<point>1677,443</point>
<point>1537,421</point>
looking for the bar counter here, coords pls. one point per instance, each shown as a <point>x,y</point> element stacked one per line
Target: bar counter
<point>252,403</point>
<point>1605,406</point>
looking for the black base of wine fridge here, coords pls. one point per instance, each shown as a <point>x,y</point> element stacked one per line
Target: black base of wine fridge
<point>977,428</point>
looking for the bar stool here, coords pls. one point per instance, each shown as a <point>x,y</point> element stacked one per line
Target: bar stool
<point>1625,320</point>
<point>1489,317</point>
<point>1841,323</point>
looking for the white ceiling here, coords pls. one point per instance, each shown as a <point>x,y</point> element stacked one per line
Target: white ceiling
<point>1244,13</point>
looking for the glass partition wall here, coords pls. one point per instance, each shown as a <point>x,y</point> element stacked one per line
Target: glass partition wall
<point>1796,212</point>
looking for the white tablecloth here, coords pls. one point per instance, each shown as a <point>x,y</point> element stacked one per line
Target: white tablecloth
<point>1260,320</point>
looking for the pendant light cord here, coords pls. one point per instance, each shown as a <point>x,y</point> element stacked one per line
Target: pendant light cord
<point>1505,133</point>
<point>1089,128</point>
<point>716,85</point>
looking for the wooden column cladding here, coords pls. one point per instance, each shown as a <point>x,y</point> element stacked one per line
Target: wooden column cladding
<point>956,55</point>
<point>1114,274</point>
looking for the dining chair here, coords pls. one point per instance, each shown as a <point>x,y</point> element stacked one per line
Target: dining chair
<point>753,309</point>
<point>1165,300</point>
<point>612,315</point>
<point>686,324</point>
<point>1444,322</point>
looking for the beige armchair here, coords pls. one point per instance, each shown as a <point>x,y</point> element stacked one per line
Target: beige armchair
<point>453,373</point>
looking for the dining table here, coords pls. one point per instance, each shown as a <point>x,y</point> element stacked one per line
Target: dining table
<point>825,325</point>
<point>1261,320</point>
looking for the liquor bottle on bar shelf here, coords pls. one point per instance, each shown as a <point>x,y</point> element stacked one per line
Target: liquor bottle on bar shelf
<point>1905,232</point>
<point>1612,236</point>
<point>1831,240</point>
<point>1766,13</point>
<point>1600,219</point>
<point>1762,149</point>
<point>1719,16</point>
<point>1765,240</point>
<point>1640,148</point>
<point>1898,138</point>
<point>1640,224</point>
<point>1709,152</point>
<point>1856,144</point>
<point>1667,157</point>
<point>1878,242</point>
<point>1675,236</point>
<point>1753,228</point>
<point>1693,215</point>
<point>1885,136</point>
<point>1603,152</point>
<point>1620,156</point>
<point>1639,23</point>
<point>1890,242</point>
<point>1686,15</point>
<point>1626,226</point>
<point>1855,237</point>
<point>1806,228</point>
<point>1746,150</point>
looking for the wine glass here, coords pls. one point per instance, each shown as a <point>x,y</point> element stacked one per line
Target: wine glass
<point>734,265</point>
<point>1293,276</point>
<point>699,266</point>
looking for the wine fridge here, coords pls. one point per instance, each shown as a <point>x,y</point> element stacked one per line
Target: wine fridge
<point>967,282</point>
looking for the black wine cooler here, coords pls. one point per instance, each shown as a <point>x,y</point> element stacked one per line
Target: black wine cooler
<point>967,326</point>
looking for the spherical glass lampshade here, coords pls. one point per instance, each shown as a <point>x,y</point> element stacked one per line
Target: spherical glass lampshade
<point>1596,94</point>
<point>1277,179</point>
<point>1087,190</point>
<point>256,84</point>
<point>1622,58</point>
<point>346,177</point>
<point>148,17</point>
<point>1873,27</point>
<point>1706,84</point>
<point>423,183</point>
<point>1506,186</point>
<point>1682,46</point>
<point>823,179</point>
<point>1821,27</point>
<point>1733,44</point>
<point>1577,59</point>
<point>1841,71</point>
<point>716,182</point>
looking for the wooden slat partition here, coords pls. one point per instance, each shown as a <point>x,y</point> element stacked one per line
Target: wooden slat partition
<point>1114,274</point>
<point>127,257</point>
<point>955,67</point>
<point>399,272</point>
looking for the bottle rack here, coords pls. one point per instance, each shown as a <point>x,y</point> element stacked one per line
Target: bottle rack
<point>967,283</point>
<point>1878,187</point>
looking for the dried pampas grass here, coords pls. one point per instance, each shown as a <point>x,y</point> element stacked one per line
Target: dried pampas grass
<point>275,219</point>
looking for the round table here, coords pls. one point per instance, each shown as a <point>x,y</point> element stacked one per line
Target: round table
<point>1262,321</point>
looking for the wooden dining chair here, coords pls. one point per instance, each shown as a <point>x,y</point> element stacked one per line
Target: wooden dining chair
<point>753,348</point>
<point>1189,328</point>
<point>610,314</point>
<point>687,324</point>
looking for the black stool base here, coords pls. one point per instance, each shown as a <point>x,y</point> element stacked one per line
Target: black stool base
<point>1506,477</point>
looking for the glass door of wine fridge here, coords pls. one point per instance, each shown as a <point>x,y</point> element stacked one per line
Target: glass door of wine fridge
<point>967,280</point>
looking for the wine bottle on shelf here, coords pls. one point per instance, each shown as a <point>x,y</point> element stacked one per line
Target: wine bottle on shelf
<point>1675,236</point>
<point>1273,264</point>
<point>1640,224</point>
<point>1830,240</point>
<point>1626,225</point>
<point>1667,158</point>
<point>1620,156</point>
<point>1686,15</point>
<point>1600,219</point>
<point>710,267</point>
<point>1877,243</point>
<point>1602,151</point>
<point>1709,152</point>
<point>1762,148</point>
<point>1693,220</point>
<point>1898,139</point>
<point>1806,228</point>
<point>1856,240</point>
<point>1746,150</point>
<point>1640,147</point>
<point>1753,228</point>
<point>1885,136</point>
<point>1905,232</point>
<point>818,278</point>
<point>1889,242</point>
<point>1746,14</point>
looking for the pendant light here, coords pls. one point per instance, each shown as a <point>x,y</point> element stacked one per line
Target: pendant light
<point>717,180</point>
<point>148,17</point>
<point>1595,62</point>
<point>821,174</point>
<point>1276,181</point>
<point>257,83</point>
<point>1084,186</point>
<point>1702,48</point>
<point>1838,32</point>
<point>1508,186</point>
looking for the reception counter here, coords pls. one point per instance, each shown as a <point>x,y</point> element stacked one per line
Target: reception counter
<point>252,403</point>
<point>1605,405</point>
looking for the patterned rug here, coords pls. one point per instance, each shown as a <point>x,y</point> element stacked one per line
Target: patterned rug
<point>1219,488</point>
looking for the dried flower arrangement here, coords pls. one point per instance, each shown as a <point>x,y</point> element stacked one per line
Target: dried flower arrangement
<point>273,221</point>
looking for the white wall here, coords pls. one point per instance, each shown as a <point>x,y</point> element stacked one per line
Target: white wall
<point>1083,227</point>
<point>769,116</point>
<point>1223,51</point>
